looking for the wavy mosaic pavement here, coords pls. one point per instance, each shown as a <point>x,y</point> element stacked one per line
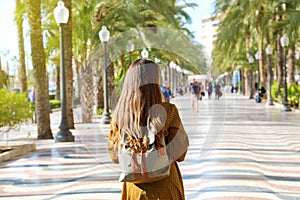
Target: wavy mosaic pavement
<point>256,155</point>
<point>239,150</point>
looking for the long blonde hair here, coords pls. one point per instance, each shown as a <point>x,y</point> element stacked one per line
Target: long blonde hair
<point>134,117</point>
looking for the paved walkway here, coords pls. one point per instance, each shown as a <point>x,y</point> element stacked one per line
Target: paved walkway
<point>239,150</point>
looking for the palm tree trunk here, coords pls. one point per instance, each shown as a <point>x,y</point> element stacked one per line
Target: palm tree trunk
<point>243,82</point>
<point>86,95</point>
<point>111,82</point>
<point>263,67</point>
<point>279,58</point>
<point>247,72</point>
<point>39,70</point>
<point>279,67</point>
<point>22,67</point>
<point>77,79</point>
<point>247,82</point>
<point>99,90</point>
<point>291,63</point>
<point>291,53</point>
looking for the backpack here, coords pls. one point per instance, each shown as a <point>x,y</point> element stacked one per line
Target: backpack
<point>195,88</point>
<point>150,166</point>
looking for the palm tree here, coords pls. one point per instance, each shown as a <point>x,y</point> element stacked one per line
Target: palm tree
<point>265,22</point>
<point>290,24</point>
<point>234,38</point>
<point>150,14</point>
<point>83,32</point>
<point>19,13</point>
<point>279,53</point>
<point>113,14</point>
<point>39,69</point>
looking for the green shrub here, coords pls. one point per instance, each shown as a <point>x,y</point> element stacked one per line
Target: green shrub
<point>294,94</point>
<point>14,109</point>
<point>100,111</point>
<point>274,90</point>
<point>54,104</point>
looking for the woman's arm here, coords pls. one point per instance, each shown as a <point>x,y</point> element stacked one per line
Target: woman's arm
<point>177,140</point>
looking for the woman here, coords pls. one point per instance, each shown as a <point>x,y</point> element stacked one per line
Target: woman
<point>136,112</point>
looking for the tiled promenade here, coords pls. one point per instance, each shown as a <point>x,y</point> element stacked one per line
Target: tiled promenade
<point>239,150</point>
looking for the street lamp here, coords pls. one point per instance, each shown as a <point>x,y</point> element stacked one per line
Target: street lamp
<point>258,57</point>
<point>269,52</point>
<point>156,60</point>
<point>61,15</point>
<point>104,37</point>
<point>145,53</point>
<point>251,60</point>
<point>284,40</point>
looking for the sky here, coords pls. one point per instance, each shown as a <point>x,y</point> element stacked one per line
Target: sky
<point>204,9</point>
<point>8,29</point>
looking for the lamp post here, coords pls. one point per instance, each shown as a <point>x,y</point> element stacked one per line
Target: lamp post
<point>258,57</point>
<point>145,53</point>
<point>269,52</point>
<point>61,15</point>
<point>104,37</point>
<point>251,60</point>
<point>284,40</point>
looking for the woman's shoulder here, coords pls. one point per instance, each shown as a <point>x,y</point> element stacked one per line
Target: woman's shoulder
<point>169,107</point>
<point>173,117</point>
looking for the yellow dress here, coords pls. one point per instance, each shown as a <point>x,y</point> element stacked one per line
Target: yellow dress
<point>170,187</point>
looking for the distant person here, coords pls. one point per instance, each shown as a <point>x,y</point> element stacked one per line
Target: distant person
<point>31,95</point>
<point>209,90</point>
<point>202,90</point>
<point>218,92</point>
<point>31,98</point>
<point>180,91</point>
<point>165,89</point>
<point>195,90</point>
